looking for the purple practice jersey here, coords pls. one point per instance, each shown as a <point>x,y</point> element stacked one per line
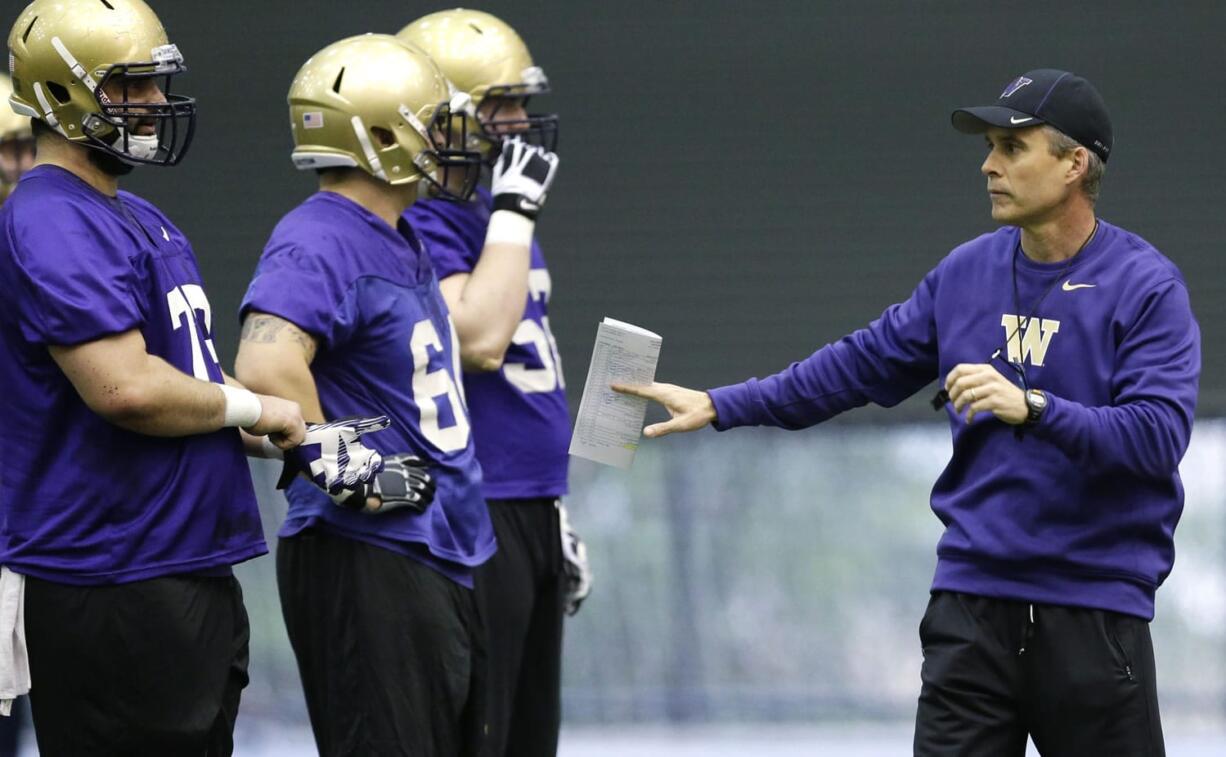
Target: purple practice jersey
<point>368,294</point>
<point>520,417</point>
<point>1079,509</point>
<point>84,501</point>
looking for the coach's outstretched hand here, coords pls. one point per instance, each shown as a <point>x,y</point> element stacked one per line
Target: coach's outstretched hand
<point>690,409</point>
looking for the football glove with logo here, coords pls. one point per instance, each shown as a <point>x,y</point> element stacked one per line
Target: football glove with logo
<point>574,564</point>
<point>405,481</point>
<point>522,177</point>
<point>333,457</point>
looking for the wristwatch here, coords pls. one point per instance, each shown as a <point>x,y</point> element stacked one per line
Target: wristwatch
<point>1036,403</point>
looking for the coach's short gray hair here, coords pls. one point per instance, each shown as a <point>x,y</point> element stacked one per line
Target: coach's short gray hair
<point>1062,144</point>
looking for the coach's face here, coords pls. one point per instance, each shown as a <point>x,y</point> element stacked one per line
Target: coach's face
<point>1025,180</point>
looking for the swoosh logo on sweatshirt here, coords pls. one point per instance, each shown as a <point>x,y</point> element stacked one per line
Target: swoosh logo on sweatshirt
<point>1069,286</point>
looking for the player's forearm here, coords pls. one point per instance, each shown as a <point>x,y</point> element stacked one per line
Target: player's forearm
<point>266,369</point>
<point>117,379</point>
<point>157,399</point>
<point>490,305</point>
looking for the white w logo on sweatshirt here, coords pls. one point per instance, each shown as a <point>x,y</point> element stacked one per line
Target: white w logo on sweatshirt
<point>1029,344</point>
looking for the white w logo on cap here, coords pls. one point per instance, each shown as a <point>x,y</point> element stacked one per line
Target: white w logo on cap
<point>1015,85</point>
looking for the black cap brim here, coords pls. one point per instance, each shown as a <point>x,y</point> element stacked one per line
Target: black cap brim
<point>977,120</point>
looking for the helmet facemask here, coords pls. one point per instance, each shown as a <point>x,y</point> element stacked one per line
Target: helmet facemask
<point>88,70</point>
<point>452,168</point>
<point>174,118</point>
<point>534,128</point>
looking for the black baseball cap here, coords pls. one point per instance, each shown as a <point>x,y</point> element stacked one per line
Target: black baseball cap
<point>1045,96</point>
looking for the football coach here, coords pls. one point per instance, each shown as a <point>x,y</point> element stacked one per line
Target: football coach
<point>1069,359</point>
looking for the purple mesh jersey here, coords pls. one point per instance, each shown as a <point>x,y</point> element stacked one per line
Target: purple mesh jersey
<point>520,417</point>
<point>85,501</point>
<point>368,294</point>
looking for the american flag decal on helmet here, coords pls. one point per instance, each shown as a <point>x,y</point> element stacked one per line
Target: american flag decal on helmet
<point>313,120</point>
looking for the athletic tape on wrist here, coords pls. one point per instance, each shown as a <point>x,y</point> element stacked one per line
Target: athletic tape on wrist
<point>243,408</point>
<point>509,227</point>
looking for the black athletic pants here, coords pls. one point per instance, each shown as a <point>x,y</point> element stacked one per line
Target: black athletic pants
<point>11,728</point>
<point>521,594</point>
<point>152,668</point>
<point>390,651</point>
<point>1079,682</point>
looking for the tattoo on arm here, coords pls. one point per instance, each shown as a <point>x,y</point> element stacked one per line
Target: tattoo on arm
<point>267,329</point>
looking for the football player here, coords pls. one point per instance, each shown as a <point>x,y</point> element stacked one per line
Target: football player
<point>125,497</point>
<point>16,157</point>
<point>497,286</point>
<point>344,315</point>
<point>16,142</point>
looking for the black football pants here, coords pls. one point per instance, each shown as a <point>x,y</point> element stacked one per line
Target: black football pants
<point>390,651</point>
<point>521,593</point>
<point>1079,682</point>
<point>151,668</point>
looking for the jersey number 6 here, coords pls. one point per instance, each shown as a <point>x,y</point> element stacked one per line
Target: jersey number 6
<point>429,385</point>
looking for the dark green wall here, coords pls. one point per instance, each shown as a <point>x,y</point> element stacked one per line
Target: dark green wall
<point>749,179</point>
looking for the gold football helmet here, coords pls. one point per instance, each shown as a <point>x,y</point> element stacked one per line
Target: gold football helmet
<point>16,142</point>
<point>483,56</point>
<point>375,103</point>
<point>67,55</point>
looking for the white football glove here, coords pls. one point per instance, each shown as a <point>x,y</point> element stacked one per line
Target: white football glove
<point>405,481</point>
<point>522,176</point>
<point>332,454</point>
<point>574,564</point>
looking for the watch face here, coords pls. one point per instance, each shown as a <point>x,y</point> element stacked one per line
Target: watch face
<point>1036,400</point>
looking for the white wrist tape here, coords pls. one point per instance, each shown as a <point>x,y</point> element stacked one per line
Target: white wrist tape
<point>271,451</point>
<point>508,227</point>
<point>243,408</point>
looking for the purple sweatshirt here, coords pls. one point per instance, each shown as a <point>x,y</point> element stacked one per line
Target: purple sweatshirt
<point>1081,509</point>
